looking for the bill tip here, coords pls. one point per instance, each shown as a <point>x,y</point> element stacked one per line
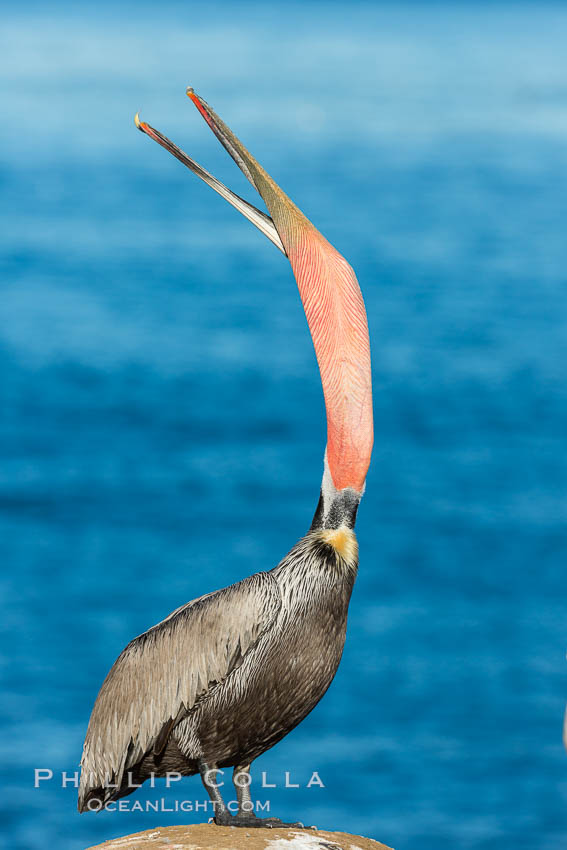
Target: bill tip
<point>137,121</point>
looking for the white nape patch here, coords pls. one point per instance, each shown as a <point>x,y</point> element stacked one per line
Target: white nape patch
<point>328,489</point>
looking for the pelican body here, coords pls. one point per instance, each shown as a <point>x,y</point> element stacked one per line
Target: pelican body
<point>226,676</point>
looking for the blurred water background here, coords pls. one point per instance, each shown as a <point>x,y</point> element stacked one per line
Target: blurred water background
<point>161,419</point>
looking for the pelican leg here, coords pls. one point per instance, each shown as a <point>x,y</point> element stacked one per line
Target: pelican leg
<point>241,780</point>
<point>209,779</point>
<point>245,816</point>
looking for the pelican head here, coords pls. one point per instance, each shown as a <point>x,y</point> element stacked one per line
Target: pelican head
<point>335,313</point>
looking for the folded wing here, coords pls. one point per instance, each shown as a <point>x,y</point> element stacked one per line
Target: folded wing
<point>162,674</point>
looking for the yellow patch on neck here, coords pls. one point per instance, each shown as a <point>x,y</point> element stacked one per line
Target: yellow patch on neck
<point>343,540</point>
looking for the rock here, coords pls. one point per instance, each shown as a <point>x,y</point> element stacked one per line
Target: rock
<point>205,836</point>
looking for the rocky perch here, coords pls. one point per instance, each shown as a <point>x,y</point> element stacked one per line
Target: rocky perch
<point>210,837</point>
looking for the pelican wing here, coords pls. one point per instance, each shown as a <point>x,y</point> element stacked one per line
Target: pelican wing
<point>164,672</point>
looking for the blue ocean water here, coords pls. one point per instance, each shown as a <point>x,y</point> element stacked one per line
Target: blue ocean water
<point>161,418</point>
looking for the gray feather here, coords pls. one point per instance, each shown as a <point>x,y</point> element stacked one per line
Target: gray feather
<point>164,672</point>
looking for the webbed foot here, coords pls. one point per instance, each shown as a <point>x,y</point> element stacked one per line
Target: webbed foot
<point>249,820</point>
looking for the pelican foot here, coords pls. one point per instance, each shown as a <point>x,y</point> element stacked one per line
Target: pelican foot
<point>249,820</point>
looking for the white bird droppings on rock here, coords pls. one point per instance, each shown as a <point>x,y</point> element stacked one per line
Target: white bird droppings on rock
<point>301,841</point>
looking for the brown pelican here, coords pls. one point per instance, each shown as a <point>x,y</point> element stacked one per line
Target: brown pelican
<point>226,676</point>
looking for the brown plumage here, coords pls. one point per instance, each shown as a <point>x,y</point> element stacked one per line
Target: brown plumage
<point>226,676</point>
<point>214,681</point>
